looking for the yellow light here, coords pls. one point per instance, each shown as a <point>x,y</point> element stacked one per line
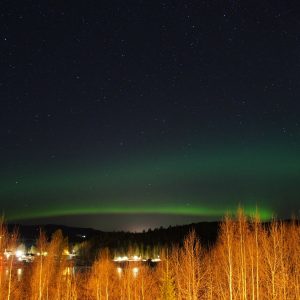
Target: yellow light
<point>19,274</point>
<point>155,259</point>
<point>135,271</point>
<point>19,253</point>
<point>135,257</point>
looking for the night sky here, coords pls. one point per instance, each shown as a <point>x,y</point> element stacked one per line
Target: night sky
<point>136,114</point>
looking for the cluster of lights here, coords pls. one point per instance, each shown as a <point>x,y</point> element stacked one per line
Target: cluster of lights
<point>121,258</point>
<point>21,255</point>
<point>135,258</point>
<point>18,253</point>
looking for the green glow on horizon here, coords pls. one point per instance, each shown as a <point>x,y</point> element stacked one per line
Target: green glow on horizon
<point>204,183</point>
<point>264,214</point>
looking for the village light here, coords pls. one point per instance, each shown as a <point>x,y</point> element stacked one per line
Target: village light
<point>7,254</point>
<point>135,257</point>
<point>19,274</point>
<point>19,253</point>
<point>119,270</point>
<point>119,258</point>
<point>135,271</point>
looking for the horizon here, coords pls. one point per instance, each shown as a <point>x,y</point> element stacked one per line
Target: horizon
<point>128,223</point>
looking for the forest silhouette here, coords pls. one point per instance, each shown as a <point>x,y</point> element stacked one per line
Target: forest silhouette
<point>249,260</point>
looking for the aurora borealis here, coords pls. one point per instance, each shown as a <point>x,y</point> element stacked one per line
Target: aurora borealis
<point>126,116</point>
<point>206,185</point>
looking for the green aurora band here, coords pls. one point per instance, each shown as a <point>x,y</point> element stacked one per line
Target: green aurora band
<point>204,184</point>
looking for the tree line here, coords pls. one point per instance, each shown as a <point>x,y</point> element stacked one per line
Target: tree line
<point>249,260</point>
